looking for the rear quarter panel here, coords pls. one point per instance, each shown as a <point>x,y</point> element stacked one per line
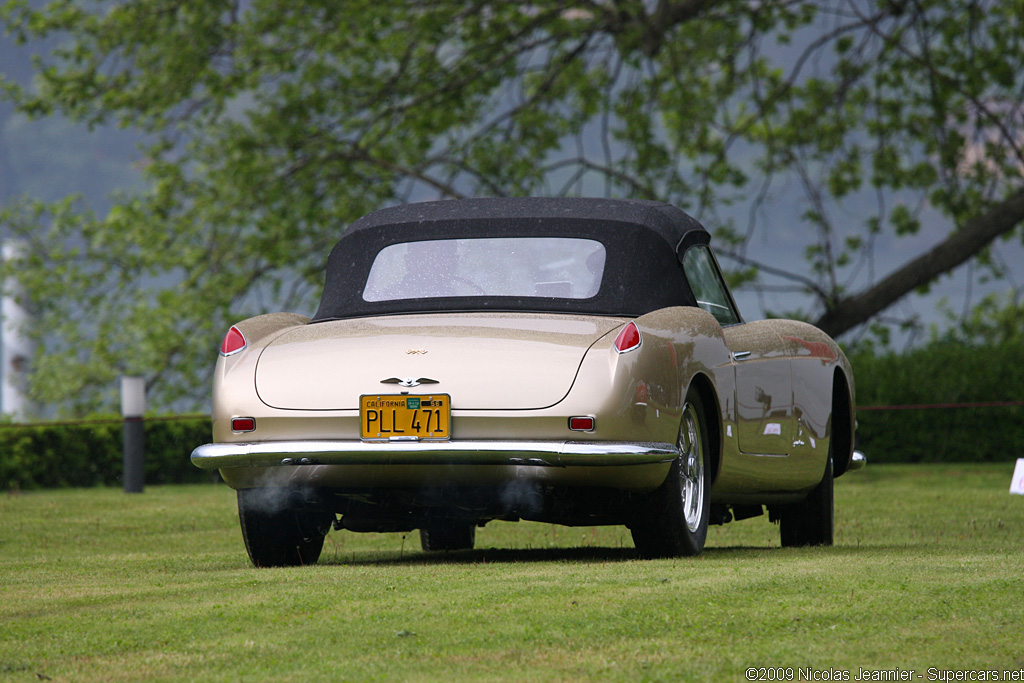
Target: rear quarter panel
<point>234,388</point>
<point>683,347</point>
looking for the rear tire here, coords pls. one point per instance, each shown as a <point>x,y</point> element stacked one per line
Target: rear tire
<point>811,522</point>
<point>674,520</point>
<point>448,537</point>
<point>278,535</point>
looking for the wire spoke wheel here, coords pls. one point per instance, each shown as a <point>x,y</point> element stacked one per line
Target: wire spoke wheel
<point>812,521</point>
<point>673,520</point>
<point>691,449</point>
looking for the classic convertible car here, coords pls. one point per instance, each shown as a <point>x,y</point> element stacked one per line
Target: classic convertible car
<point>572,361</point>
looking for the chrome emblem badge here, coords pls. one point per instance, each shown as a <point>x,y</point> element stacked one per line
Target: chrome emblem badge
<point>409,381</point>
<point>415,351</point>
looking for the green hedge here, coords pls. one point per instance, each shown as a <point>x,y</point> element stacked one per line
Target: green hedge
<point>90,453</point>
<point>942,372</point>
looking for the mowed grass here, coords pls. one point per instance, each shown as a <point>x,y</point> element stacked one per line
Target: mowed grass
<point>97,585</point>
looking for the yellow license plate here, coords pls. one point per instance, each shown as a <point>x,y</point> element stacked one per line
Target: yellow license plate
<point>401,416</point>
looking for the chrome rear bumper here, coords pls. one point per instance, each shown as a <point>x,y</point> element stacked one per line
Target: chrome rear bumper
<point>857,462</point>
<point>215,456</point>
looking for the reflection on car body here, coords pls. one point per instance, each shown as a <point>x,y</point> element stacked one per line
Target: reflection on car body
<point>573,361</point>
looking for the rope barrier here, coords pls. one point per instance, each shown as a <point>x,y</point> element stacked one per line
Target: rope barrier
<point>940,406</point>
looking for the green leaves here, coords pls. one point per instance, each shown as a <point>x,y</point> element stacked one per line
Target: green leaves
<point>269,126</point>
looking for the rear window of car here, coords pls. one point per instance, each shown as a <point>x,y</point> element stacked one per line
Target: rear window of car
<point>557,267</point>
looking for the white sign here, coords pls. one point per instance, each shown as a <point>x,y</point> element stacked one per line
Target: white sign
<point>1017,485</point>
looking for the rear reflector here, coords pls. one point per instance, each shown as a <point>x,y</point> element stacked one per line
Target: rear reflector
<point>582,424</point>
<point>243,424</point>
<point>233,342</point>
<point>628,339</point>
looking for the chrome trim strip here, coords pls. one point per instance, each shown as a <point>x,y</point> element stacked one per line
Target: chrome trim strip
<point>214,456</point>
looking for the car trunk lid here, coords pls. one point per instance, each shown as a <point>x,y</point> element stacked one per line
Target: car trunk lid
<point>509,361</point>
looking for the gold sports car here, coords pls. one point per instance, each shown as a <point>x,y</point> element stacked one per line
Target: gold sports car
<point>572,361</point>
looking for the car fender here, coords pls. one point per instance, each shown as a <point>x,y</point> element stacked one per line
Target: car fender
<point>234,389</point>
<point>681,347</point>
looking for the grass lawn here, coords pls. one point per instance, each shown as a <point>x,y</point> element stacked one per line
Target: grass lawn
<point>96,585</point>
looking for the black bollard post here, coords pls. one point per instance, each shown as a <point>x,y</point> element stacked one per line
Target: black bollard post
<point>133,405</point>
<point>134,455</point>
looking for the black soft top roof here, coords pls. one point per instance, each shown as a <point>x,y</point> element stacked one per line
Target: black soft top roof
<point>644,241</point>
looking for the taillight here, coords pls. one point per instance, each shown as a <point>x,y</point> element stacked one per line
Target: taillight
<point>233,342</point>
<point>582,424</point>
<point>628,339</point>
<point>243,424</point>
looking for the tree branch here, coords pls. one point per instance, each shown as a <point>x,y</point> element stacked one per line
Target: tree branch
<point>963,244</point>
<point>805,282</point>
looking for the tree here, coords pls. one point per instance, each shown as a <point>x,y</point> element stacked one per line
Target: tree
<point>273,124</point>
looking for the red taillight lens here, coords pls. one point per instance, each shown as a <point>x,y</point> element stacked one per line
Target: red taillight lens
<point>582,424</point>
<point>243,424</point>
<point>233,342</point>
<point>628,339</point>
